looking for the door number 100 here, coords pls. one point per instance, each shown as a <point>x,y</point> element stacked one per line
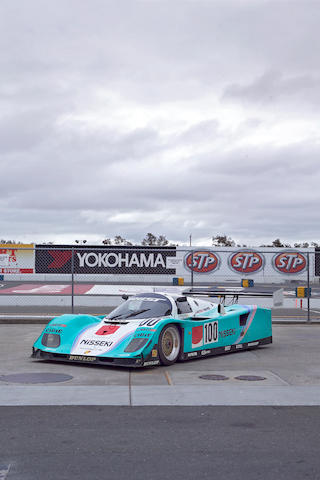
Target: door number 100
<point>210,332</point>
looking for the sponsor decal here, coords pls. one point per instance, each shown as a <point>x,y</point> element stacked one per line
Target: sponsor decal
<point>227,333</point>
<point>82,358</point>
<point>246,261</point>
<point>204,261</point>
<point>96,343</point>
<point>197,336</point>
<point>142,335</point>
<point>289,262</point>
<point>192,354</point>
<point>58,325</point>
<point>53,330</point>
<point>86,352</point>
<point>104,260</point>
<point>107,330</point>
<point>154,352</point>
<point>152,362</point>
<point>150,322</point>
<point>205,352</point>
<point>210,332</point>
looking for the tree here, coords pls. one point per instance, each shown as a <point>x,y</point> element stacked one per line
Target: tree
<point>302,245</point>
<point>162,241</point>
<point>12,242</point>
<point>223,241</point>
<point>277,243</point>
<point>151,240</point>
<point>107,241</point>
<point>118,240</point>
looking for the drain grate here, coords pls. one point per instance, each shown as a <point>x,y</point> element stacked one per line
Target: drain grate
<point>214,377</point>
<point>250,378</point>
<point>35,378</point>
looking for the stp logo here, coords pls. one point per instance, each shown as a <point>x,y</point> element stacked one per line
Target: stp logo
<point>289,262</point>
<point>204,261</point>
<point>246,261</point>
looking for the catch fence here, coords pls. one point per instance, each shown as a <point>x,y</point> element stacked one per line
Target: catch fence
<point>45,279</point>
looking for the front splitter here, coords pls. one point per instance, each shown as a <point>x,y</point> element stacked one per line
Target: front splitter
<point>109,361</point>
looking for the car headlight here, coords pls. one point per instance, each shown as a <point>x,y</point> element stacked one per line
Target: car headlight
<point>51,340</point>
<point>136,344</point>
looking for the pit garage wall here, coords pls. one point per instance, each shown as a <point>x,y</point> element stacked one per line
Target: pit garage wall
<point>271,265</point>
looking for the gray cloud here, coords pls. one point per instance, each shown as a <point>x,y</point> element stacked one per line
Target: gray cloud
<point>124,118</point>
<point>272,87</point>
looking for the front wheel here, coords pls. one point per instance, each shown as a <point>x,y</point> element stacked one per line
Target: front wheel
<point>169,345</point>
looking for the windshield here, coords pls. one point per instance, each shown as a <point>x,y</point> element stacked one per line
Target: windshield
<point>143,306</point>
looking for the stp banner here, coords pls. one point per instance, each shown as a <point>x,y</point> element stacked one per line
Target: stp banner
<point>104,260</point>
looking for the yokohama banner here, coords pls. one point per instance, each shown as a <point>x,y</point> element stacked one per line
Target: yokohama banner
<point>104,260</point>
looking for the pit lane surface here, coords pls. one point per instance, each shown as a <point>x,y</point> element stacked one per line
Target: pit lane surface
<point>289,366</point>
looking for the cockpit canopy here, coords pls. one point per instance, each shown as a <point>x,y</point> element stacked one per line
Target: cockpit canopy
<point>143,306</point>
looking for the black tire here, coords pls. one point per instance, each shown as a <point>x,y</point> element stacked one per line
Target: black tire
<point>169,345</point>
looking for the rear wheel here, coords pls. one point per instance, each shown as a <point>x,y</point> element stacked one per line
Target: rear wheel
<point>169,345</point>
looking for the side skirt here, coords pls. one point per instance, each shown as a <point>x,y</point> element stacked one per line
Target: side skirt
<point>208,352</point>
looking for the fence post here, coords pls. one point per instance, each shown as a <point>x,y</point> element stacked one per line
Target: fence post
<point>192,269</point>
<point>72,280</point>
<point>308,281</point>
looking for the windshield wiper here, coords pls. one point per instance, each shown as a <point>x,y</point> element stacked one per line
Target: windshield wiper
<point>116,316</point>
<point>133,314</point>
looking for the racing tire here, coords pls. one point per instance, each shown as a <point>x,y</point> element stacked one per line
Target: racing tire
<point>169,345</point>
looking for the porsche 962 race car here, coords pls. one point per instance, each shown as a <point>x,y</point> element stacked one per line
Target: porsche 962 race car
<point>154,328</point>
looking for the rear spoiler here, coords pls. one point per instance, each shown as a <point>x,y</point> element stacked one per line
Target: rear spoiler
<point>223,294</point>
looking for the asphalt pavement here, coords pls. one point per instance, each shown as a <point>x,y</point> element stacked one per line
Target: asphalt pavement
<point>156,443</point>
<point>261,421</point>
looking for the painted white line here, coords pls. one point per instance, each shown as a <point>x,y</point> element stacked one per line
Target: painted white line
<point>4,470</point>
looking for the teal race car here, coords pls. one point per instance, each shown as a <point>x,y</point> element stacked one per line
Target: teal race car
<point>155,328</point>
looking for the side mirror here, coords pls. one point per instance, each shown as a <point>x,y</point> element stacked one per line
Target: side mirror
<point>221,309</point>
<point>125,296</point>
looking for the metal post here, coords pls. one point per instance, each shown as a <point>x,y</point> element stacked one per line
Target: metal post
<point>72,280</point>
<point>192,269</point>
<point>308,281</point>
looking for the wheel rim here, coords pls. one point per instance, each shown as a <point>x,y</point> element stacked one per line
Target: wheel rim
<point>170,343</point>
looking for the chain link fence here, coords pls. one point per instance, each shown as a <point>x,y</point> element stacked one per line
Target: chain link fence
<point>51,280</point>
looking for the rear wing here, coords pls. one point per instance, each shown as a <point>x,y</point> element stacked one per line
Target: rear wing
<point>235,293</point>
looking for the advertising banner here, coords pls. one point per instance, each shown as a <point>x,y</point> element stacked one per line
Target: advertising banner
<point>272,264</point>
<point>317,262</point>
<point>16,258</point>
<point>104,260</point>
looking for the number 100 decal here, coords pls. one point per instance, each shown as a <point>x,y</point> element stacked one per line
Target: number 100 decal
<point>210,332</point>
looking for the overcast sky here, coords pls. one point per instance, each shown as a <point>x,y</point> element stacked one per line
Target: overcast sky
<point>177,118</point>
